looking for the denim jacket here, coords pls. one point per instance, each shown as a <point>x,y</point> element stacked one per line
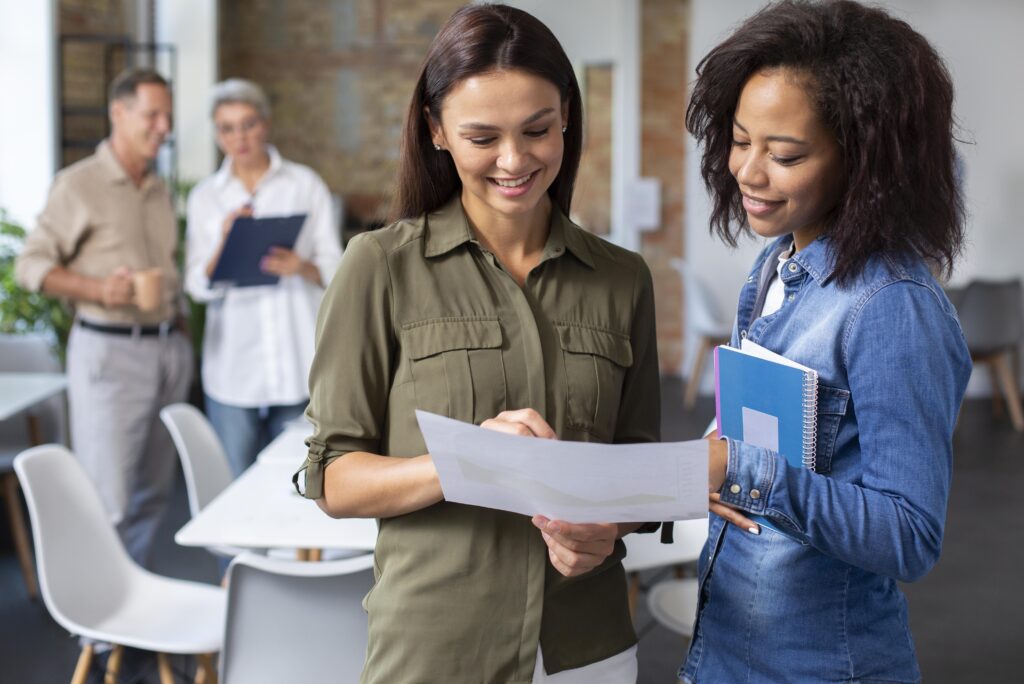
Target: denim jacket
<point>820,602</point>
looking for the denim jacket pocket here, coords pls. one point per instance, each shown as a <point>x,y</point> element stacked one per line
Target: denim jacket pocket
<point>595,362</point>
<point>457,366</point>
<point>832,403</point>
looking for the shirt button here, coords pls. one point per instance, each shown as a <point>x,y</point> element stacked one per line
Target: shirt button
<point>755,493</point>
<point>743,334</point>
<point>750,279</point>
<point>792,297</point>
<point>793,268</point>
<point>735,489</point>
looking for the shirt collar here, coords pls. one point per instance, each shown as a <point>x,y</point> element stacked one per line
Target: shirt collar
<point>817,259</point>
<point>115,172</point>
<point>448,228</point>
<point>224,174</point>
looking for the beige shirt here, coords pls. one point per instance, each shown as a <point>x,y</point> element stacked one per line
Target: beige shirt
<point>95,221</point>
<point>420,315</point>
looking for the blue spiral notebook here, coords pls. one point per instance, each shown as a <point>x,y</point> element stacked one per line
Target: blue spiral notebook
<point>248,242</point>
<point>765,399</point>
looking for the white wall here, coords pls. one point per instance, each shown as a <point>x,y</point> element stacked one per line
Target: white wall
<point>28,110</point>
<point>981,45</point>
<point>191,26</point>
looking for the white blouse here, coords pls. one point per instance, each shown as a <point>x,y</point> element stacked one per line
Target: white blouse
<point>258,341</point>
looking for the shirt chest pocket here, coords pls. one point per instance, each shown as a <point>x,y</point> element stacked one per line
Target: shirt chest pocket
<point>595,363</point>
<point>457,367</point>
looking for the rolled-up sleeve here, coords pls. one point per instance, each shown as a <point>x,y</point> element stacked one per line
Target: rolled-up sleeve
<point>53,240</point>
<point>350,378</point>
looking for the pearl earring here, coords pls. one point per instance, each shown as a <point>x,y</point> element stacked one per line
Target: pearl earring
<point>565,128</point>
<point>437,147</point>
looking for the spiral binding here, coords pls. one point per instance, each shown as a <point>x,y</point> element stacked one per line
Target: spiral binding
<point>810,455</point>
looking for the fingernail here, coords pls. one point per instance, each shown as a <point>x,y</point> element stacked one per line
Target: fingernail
<point>754,530</point>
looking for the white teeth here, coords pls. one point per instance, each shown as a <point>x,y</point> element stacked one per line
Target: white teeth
<point>513,183</point>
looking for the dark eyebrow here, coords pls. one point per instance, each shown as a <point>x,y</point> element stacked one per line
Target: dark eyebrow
<point>489,127</point>
<point>772,138</point>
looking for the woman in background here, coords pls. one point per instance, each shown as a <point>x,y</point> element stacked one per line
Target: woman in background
<point>258,341</point>
<point>827,128</point>
<point>484,303</point>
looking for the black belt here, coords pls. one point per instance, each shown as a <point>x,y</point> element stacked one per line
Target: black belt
<point>129,330</point>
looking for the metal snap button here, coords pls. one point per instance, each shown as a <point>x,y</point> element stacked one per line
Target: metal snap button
<point>755,494</point>
<point>793,267</point>
<point>735,489</point>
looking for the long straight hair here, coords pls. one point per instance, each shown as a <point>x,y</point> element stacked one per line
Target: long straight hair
<point>478,39</point>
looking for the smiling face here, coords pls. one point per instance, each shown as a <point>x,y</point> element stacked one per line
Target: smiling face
<point>504,132</point>
<point>140,123</point>
<point>241,133</point>
<point>787,163</point>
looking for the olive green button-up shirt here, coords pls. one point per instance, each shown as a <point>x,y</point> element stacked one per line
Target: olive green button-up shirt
<point>420,315</point>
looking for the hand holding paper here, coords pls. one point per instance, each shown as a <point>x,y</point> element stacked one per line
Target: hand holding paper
<point>572,481</point>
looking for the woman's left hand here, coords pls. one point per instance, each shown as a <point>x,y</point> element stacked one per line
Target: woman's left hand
<point>575,549</point>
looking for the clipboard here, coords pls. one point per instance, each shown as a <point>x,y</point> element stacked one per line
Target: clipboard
<point>248,242</point>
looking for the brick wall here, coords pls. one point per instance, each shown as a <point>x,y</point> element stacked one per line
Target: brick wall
<point>339,75</point>
<point>592,200</point>
<point>664,41</point>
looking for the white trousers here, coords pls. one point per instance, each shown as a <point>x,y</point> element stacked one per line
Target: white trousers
<point>116,388</point>
<point>619,669</point>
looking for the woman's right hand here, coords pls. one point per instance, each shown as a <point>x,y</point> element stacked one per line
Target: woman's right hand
<point>229,220</point>
<point>523,422</point>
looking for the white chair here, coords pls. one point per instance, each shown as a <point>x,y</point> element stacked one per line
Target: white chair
<point>703,320</point>
<point>646,552</point>
<point>290,621</point>
<point>90,585</point>
<point>44,422</point>
<point>673,603</point>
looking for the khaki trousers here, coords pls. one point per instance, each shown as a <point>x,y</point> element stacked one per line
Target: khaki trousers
<point>117,385</point>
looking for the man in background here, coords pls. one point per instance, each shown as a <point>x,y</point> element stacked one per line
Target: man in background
<point>106,241</point>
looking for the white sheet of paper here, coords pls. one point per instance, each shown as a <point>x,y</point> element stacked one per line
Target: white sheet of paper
<point>572,481</point>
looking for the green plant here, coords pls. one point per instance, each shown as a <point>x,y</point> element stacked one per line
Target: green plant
<point>22,311</point>
<point>196,310</point>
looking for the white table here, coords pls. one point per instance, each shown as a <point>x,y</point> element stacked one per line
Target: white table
<point>19,391</point>
<point>261,509</point>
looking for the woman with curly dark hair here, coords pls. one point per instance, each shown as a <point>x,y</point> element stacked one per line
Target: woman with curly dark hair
<point>829,129</point>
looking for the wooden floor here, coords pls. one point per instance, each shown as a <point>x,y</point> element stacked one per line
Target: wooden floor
<point>967,616</point>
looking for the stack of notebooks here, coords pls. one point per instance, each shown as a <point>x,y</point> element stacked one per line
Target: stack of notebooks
<point>766,400</point>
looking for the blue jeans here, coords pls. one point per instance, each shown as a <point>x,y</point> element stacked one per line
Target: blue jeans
<point>245,431</point>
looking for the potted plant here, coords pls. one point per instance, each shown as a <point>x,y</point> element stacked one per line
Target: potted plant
<point>22,311</point>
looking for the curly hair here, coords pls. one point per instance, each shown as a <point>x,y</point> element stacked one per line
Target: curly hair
<point>887,97</point>
<point>478,39</point>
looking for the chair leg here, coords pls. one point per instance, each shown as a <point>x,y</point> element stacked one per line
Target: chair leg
<point>84,663</point>
<point>205,672</point>
<point>1011,393</point>
<point>693,382</point>
<point>19,532</point>
<point>114,664</point>
<point>993,374</point>
<point>163,666</point>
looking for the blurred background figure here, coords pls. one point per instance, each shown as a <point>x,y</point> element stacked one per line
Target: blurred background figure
<point>106,241</point>
<point>258,341</point>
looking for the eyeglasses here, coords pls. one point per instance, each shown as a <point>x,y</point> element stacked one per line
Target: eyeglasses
<point>245,126</point>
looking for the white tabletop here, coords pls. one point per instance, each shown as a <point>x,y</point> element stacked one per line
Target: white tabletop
<point>19,391</point>
<point>262,510</point>
<point>289,446</point>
